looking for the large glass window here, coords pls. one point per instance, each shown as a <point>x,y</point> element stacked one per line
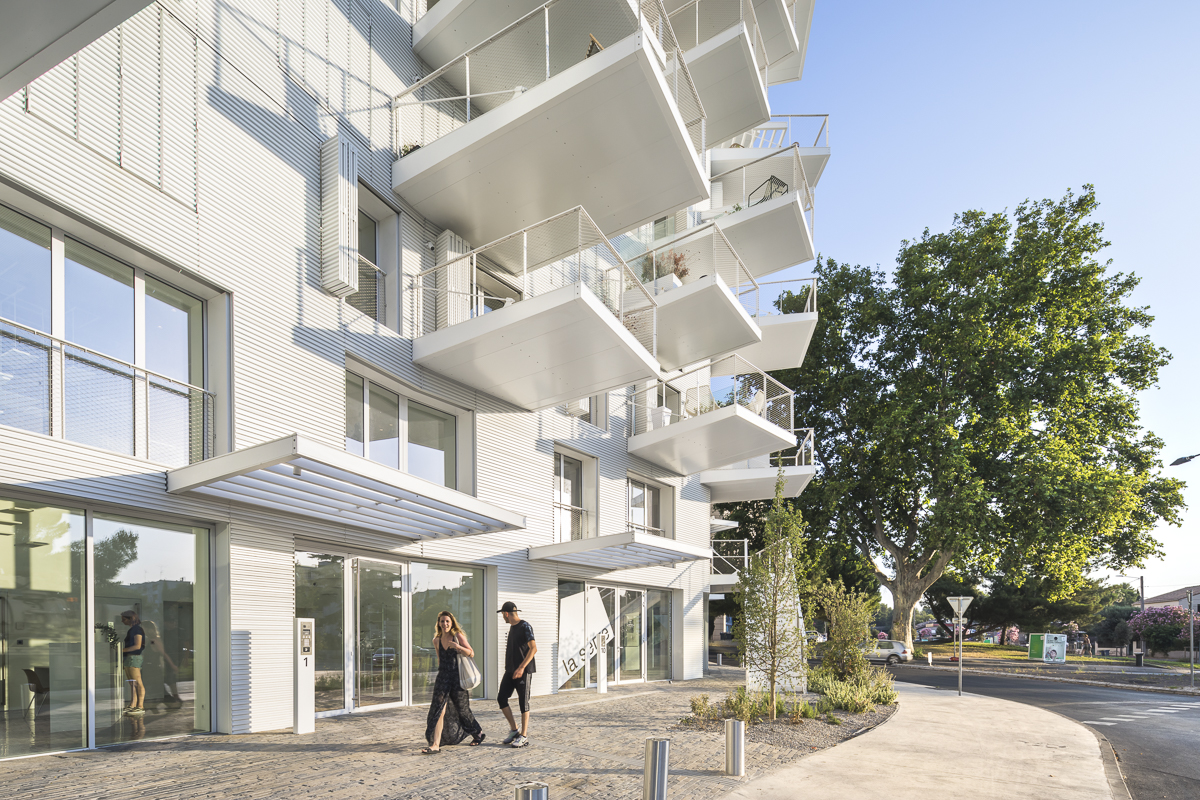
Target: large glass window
<point>437,588</point>
<point>379,654</point>
<point>320,596</point>
<point>99,298</point>
<point>43,702</point>
<point>24,271</point>
<point>570,517</point>
<point>644,507</point>
<point>151,623</point>
<point>658,635</point>
<point>402,433</point>
<point>572,639</point>
<point>369,297</point>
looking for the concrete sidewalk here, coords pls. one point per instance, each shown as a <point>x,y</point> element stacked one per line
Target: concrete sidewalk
<point>941,745</point>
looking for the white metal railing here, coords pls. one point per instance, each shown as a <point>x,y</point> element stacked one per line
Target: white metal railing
<point>696,253</point>
<point>563,250</point>
<point>570,522</point>
<point>783,130</point>
<point>730,556</point>
<point>722,383</point>
<point>697,21</point>
<point>765,178</point>
<point>540,45</point>
<point>56,388</point>
<point>794,296</point>
<point>637,527</point>
<point>802,455</point>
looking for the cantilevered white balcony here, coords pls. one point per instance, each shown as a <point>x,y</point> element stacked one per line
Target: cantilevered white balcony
<point>730,558</point>
<point>579,103</point>
<point>765,209</point>
<point>38,35</point>
<point>791,67</point>
<point>615,551</point>
<point>754,479</point>
<point>540,317</point>
<point>808,132</point>
<point>778,30</point>
<point>704,294</point>
<point>714,415</point>
<point>787,317</point>
<point>727,58</point>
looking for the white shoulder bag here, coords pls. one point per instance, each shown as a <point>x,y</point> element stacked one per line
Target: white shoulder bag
<point>469,675</point>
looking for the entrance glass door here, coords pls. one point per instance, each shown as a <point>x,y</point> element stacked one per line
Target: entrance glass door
<point>630,636</point>
<point>380,593</point>
<point>320,595</point>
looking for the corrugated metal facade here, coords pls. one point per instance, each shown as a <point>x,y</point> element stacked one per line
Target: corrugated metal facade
<point>192,134</point>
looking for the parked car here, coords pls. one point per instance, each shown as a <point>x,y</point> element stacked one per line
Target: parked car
<point>887,651</point>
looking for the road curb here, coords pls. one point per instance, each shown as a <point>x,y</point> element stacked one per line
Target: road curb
<point>1117,786</point>
<point>1107,684</point>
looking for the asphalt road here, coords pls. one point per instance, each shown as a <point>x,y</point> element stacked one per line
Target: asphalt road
<point>1156,736</point>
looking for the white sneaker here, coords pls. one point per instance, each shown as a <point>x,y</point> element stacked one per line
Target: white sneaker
<point>520,741</point>
<point>511,736</point>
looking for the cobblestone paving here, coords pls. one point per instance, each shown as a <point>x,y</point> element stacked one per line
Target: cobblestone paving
<point>582,744</point>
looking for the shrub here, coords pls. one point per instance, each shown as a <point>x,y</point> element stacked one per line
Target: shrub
<point>1160,628</point>
<point>857,694</point>
<point>849,614</point>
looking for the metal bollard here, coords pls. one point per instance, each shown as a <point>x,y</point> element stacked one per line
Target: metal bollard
<point>930,657</point>
<point>654,779</point>
<point>718,659</point>
<point>533,791</point>
<point>735,747</point>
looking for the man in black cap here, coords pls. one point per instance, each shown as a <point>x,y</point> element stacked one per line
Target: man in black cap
<point>519,667</point>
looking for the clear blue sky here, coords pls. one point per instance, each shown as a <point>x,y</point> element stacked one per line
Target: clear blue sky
<point>938,107</point>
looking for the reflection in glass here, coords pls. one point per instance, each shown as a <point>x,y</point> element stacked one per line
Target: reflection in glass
<point>437,588</point>
<point>431,444</point>
<point>42,699</point>
<point>174,333</point>
<point>658,635</point>
<point>385,427</point>
<point>155,575</point>
<point>24,271</point>
<point>99,302</point>
<point>631,635</point>
<point>354,414</point>
<point>380,587</point>
<point>572,645</point>
<point>320,595</point>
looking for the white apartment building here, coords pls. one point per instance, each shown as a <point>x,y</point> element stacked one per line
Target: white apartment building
<point>359,311</point>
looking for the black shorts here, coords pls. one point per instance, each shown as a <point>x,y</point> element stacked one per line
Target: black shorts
<point>521,686</point>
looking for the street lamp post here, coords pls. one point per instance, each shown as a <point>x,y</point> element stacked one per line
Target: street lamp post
<point>959,604</point>
<point>1192,637</point>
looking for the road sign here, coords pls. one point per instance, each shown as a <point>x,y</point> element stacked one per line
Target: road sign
<point>959,604</point>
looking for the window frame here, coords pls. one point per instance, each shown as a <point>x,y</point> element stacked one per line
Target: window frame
<point>588,492</point>
<point>665,495</point>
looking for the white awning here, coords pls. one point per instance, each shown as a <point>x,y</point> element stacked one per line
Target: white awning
<point>620,551</point>
<point>300,476</point>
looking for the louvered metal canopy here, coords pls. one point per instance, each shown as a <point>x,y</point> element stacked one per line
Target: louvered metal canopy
<point>620,551</point>
<point>301,476</point>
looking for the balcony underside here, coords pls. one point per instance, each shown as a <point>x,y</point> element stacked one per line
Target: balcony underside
<point>785,339</point>
<point>300,476</point>
<point>727,80</point>
<point>779,37</point>
<point>710,440</point>
<point>38,35</point>
<point>791,68</point>
<point>699,320</point>
<point>452,27</point>
<point>540,352</point>
<point>722,583</point>
<point>770,236</point>
<point>603,134</point>
<point>620,551</point>
<point>814,159</point>
<point>740,484</point>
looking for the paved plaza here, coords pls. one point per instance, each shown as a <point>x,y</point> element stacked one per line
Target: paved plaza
<point>582,744</point>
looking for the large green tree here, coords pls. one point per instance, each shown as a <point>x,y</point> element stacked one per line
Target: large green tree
<point>979,406</point>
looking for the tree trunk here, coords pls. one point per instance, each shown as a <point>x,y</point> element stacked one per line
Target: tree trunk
<point>906,593</point>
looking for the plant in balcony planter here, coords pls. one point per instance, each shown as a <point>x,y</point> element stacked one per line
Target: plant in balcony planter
<point>408,148</point>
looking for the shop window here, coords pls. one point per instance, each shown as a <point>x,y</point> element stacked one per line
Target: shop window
<point>437,588</point>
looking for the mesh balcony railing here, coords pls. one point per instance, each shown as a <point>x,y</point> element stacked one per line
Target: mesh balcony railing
<point>722,383</point>
<point>766,178</point>
<point>693,256</point>
<point>570,522</point>
<point>801,455</point>
<point>698,21</point>
<point>561,251</point>
<point>542,44</point>
<point>730,556</point>
<point>55,388</point>
<point>784,130</point>
<point>773,298</point>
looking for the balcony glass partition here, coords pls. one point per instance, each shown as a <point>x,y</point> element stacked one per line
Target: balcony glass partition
<point>561,251</point>
<point>725,382</point>
<point>542,44</point>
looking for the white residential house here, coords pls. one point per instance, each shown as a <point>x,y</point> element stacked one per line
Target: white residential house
<point>357,311</point>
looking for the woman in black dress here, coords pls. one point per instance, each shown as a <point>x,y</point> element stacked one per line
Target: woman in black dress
<point>450,719</point>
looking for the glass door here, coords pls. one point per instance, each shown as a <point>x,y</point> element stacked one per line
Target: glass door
<point>630,636</point>
<point>320,595</point>
<point>379,590</point>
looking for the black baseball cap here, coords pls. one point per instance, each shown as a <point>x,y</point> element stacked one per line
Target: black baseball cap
<point>509,606</point>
